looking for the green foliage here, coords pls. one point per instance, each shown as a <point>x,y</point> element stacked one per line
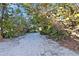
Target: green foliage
<point>21,27</point>
<point>13,25</point>
<point>49,19</point>
<point>12,29</point>
<point>60,13</point>
<point>8,28</point>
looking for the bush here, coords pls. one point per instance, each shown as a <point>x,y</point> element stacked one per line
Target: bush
<point>8,28</point>
<point>47,27</point>
<point>13,28</point>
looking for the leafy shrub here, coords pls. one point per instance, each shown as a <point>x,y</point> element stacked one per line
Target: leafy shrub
<point>8,28</point>
<point>11,28</point>
<point>47,27</point>
<point>21,27</point>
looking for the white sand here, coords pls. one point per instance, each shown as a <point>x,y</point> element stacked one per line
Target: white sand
<point>33,44</point>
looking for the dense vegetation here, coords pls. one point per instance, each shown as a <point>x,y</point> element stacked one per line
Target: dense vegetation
<point>11,23</point>
<point>55,20</point>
